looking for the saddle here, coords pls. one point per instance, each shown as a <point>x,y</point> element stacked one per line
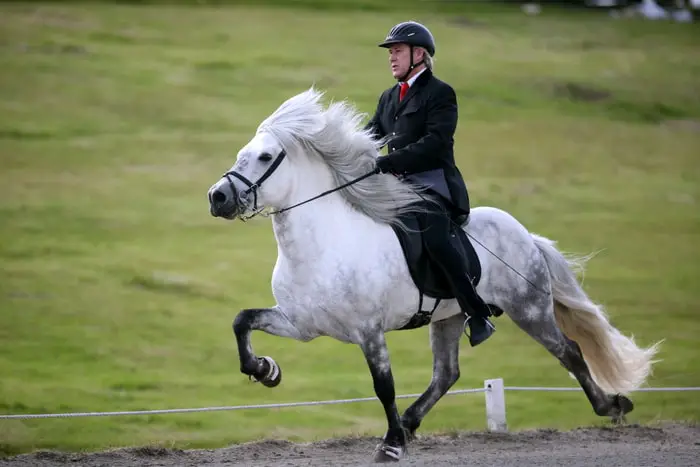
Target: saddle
<point>426,274</point>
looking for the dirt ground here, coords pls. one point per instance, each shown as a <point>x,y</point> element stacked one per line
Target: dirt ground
<point>664,445</point>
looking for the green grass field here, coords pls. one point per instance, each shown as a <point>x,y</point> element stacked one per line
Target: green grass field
<point>117,287</point>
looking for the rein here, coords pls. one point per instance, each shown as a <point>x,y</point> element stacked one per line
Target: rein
<point>253,188</point>
<point>327,192</point>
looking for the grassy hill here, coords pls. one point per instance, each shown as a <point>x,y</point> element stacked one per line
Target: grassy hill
<point>117,288</point>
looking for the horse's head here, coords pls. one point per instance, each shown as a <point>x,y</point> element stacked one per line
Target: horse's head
<point>263,175</point>
<point>254,181</point>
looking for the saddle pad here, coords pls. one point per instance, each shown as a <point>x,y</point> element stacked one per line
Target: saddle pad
<point>426,274</point>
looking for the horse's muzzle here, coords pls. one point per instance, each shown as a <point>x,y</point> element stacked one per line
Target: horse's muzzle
<point>223,202</point>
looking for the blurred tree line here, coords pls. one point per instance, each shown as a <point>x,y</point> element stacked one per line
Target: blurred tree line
<point>392,5</point>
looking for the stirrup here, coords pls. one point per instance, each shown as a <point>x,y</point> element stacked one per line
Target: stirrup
<point>466,325</point>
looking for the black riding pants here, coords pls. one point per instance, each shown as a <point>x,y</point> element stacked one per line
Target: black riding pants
<point>436,225</point>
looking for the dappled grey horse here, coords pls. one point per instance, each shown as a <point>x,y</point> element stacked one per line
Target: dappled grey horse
<point>342,272</point>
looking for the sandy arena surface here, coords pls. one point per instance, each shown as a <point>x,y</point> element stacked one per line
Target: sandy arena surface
<point>676,445</point>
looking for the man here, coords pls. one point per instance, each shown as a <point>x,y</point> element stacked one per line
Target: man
<point>419,115</point>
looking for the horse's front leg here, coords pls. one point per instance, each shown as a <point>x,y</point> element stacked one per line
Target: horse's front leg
<point>376,353</point>
<point>271,321</point>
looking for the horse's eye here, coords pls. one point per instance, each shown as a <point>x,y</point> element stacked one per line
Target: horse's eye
<point>265,157</point>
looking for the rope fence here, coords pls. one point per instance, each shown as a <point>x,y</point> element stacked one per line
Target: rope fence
<point>535,388</point>
<point>493,389</point>
<point>219,409</point>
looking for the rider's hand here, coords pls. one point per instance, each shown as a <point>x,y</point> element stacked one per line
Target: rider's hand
<point>384,165</point>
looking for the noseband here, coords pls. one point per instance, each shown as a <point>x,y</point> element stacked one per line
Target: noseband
<point>253,186</point>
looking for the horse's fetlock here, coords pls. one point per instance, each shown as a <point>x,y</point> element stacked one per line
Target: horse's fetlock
<point>410,426</point>
<point>397,437</point>
<point>251,367</point>
<point>603,409</point>
<point>454,377</point>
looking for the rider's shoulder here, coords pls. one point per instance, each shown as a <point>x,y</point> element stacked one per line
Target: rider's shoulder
<point>386,93</point>
<point>442,86</point>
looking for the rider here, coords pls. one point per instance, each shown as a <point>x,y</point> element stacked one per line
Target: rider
<point>420,115</point>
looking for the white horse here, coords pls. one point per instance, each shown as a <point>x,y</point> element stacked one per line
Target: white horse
<point>341,271</point>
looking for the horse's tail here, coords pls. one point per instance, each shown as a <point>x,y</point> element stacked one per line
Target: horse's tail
<point>616,363</point>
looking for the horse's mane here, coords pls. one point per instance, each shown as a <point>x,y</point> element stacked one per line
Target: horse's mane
<point>334,134</point>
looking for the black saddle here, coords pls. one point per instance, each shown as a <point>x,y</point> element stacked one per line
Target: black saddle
<point>426,274</point>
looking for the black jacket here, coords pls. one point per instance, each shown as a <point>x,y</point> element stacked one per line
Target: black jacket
<point>421,130</point>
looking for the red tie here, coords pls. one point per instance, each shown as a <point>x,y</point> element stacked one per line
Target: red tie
<point>404,90</point>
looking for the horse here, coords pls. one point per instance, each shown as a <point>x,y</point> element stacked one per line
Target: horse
<point>341,271</point>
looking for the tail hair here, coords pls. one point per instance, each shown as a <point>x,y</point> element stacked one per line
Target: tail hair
<point>617,364</point>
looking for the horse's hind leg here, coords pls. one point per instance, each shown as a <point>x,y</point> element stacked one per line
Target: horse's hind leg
<point>445,336</point>
<point>271,321</point>
<point>537,319</point>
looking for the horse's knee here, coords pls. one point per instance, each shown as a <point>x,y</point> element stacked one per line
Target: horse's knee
<point>241,323</point>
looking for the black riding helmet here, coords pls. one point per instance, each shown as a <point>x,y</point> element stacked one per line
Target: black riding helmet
<point>411,33</point>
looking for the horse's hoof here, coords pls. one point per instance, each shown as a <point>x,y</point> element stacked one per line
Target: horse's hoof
<point>274,373</point>
<point>622,406</point>
<point>386,453</point>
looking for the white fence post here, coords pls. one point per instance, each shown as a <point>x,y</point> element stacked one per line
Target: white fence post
<point>495,405</point>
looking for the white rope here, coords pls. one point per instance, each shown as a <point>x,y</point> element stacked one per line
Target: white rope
<point>527,388</point>
<point>218,409</point>
<point>304,404</point>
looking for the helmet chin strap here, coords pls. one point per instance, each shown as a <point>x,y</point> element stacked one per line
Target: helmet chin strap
<point>410,68</point>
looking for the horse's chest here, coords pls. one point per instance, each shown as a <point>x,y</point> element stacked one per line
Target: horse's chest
<point>322,282</point>
<point>319,305</point>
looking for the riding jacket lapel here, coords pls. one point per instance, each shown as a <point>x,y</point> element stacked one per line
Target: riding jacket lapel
<point>412,91</point>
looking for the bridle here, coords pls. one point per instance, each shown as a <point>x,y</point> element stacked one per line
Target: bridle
<point>254,186</point>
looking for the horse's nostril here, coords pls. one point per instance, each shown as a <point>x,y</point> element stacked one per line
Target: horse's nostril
<point>218,197</point>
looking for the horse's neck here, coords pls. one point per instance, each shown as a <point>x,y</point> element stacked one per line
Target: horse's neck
<point>305,232</point>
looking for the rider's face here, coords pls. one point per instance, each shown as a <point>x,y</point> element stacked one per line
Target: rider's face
<point>399,59</point>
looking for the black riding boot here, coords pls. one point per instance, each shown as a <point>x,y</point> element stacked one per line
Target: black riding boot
<point>480,327</point>
<point>438,230</point>
<point>455,267</point>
